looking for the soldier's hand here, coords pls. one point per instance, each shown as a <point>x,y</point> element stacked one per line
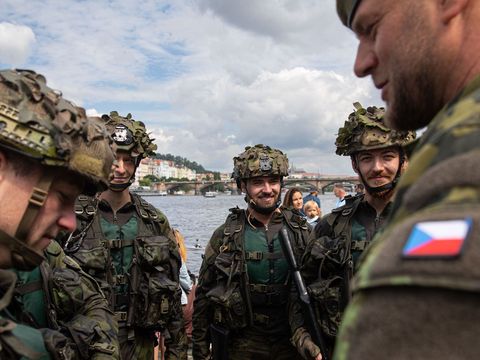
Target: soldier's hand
<point>302,340</point>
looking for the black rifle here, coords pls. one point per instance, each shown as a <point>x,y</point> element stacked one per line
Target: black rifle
<point>219,337</point>
<point>307,307</point>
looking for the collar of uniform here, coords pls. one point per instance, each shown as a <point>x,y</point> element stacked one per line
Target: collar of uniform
<point>105,207</point>
<point>275,219</point>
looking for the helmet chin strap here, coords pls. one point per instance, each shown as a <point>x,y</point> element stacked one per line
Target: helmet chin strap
<point>121,187</point>
<point>23,256</point>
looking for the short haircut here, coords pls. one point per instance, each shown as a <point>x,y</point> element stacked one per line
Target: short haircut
<point>311,203</point>
<point>339,186</point>
<point>21,164</point>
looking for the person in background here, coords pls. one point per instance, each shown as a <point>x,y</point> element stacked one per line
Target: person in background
<point>378,157</point>
<point>313,195</point>
<point>186,285</point>
<point>312,212</point>
<point>340,193</point>
<point>128,246</point>
<point>49,154</point>
<point>294,200</point>
<point>244,293</point>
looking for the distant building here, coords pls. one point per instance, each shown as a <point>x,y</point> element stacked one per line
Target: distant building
<point>163,169</point>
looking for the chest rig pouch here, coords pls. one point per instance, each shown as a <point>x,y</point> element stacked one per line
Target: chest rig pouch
<point>332,256</point>
<point>152,279</point>
<point>229,297</point>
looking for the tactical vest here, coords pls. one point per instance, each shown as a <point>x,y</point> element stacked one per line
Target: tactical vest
<point>237,300</point>
<point>331,256</point>
<point>151,282</point>
<point>51,296</point>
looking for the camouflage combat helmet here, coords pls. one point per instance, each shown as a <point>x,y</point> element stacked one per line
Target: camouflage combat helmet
<point>365,129</point>
<point>38,123</point>
<point>259,160</point>
<point>346,10</point>
<point>130,135</point>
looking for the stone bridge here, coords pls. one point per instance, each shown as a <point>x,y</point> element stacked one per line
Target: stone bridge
<point>200,187</point>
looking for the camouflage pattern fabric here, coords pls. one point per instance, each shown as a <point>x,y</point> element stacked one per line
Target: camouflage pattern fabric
<point>151,300</point>
<point>230,303</point>
<point>428,302</point>
<point>130,135</point>
<point>331,256</point>
<point>39,123</point>
<point>75,306</point>
<point>365,129</point>
<point>259,160</point>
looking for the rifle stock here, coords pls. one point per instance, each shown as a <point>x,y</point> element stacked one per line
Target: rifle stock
<point>307,307</point>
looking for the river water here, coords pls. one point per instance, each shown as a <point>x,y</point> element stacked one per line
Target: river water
<point>197,217</point>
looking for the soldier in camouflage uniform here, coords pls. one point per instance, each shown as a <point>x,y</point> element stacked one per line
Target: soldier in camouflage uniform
<point>244,287</point>
<point>417,290</point>
<point>128,246</point>
<point>48,154</point>
<point>340,238</point>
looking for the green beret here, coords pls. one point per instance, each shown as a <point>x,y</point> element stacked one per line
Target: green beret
<point>346,10</point>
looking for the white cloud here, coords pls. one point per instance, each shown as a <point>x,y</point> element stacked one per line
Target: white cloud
<point>206,76</point>
<point>16,43</point>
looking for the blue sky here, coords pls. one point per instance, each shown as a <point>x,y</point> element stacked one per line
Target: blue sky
<point>207,77</point>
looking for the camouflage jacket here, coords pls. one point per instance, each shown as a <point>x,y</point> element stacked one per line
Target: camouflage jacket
<point>74,306</point>
<point>224,293</point>
<point>438,198</point>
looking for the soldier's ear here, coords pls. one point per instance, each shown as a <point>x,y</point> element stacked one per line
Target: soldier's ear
<point>354,164</point>
<point>243,186</point>
<point>450,9</point>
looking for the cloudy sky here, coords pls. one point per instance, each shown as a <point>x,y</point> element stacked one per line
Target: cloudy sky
<point>207,77</point>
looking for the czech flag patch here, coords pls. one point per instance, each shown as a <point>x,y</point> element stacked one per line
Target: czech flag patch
<point>437,238</point>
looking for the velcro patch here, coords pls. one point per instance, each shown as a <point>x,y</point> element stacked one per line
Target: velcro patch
<point>437,239</point>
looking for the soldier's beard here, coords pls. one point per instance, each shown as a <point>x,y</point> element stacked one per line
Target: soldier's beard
<point>264,209</point>
<point>415,78</point>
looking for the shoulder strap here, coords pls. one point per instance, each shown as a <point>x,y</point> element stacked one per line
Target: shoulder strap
<point>341,216</point>
<point>233,229</point>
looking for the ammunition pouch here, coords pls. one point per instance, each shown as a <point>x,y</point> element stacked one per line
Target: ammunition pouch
<point>229,308</point>
<point>330,302</point>
<point>155,293</point>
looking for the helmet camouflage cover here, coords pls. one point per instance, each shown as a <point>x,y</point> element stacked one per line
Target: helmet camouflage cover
<point>365,129</point>
<point>259,160</point>
<point>130,135</point>
<point>36,121</point>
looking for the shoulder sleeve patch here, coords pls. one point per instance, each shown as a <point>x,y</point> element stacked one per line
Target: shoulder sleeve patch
<point>434,239</point>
